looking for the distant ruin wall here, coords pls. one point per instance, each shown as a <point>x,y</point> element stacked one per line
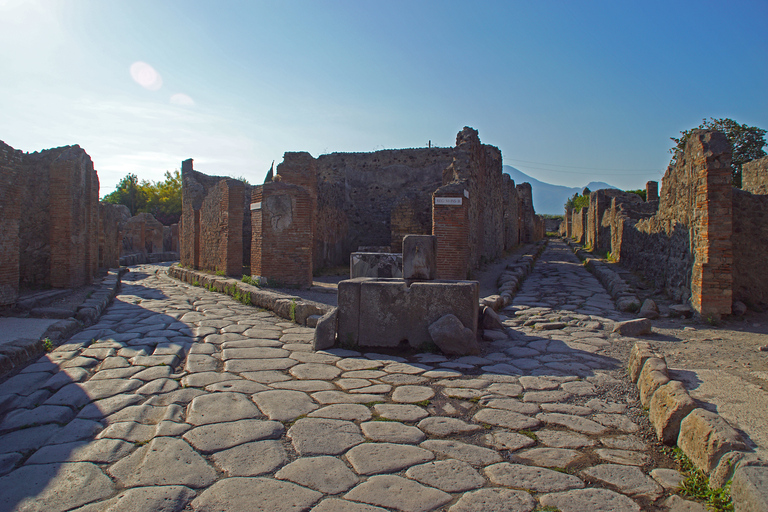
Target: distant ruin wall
<point>579,225</point>
<point>750,247</point>
<point>211,231</point>
<point>112,219</point>
<point>526,213</point>
<point>754,176</point>
<point>511,202</point>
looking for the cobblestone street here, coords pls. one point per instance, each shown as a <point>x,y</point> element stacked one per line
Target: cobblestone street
<point>183,399</point>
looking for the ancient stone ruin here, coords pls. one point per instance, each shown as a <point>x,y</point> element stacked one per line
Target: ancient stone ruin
<point>56,234</point>
<point>702,240</point>
<point>318,211</point>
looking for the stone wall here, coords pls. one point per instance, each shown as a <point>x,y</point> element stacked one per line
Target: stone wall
<point>754,176</point>
<point>143,234</point>
<point>211,230</point>
<point>526,213</point>
<point>750,247</point>
<point>579,225</point>
<point>50,219</point>
<point>511,203</point>
<point>412,215</point>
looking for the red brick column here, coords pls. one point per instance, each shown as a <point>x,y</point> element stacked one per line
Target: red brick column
<point>281,247</point>
<point>232,212</point>
<point>712,273</point>
<point>450,224</point>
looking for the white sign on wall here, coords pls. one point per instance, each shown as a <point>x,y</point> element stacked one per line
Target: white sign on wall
<point>453,201</point>
<point>255,206</point>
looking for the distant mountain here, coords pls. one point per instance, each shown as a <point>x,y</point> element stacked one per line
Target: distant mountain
<point>547,198</point>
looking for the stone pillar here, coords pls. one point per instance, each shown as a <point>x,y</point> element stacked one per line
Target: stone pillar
<point>281,244</point>
<point>652,191</point>
<point>450,224</point>
<point>712,273</point>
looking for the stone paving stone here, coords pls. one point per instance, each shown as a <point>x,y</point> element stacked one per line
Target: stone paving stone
<point>627,457</point>
<point>599,405</point>
<point>577,423</point>
<point>166,498</point>
<point>402,379</point>
<point>563,439</point>
<point>326,474</point>
<point>508,441</point>
<point>317,436</point>
<point>100,409</point>
<point>147,414</point>
<point>158,386</point>
<point>284,405</point>
<point>314,371</point>
<point>115,373</point>
<point>469,453</point>
<point>266,377</point>
<point>337,505</point>
<point>625,479</point>
<point>375,388</point>
<point>445,426</point>
<point>412,394</point>
<point>79,394</point>
<point>463,393</point>
<point>495,500</point>
<point>201,363</point>
<point>53,487</point>
<point>594,500</point>
<point>349,412</point>
<point>28,439</point>
<point>254,353</point>
<point>399,493</point>
<point>400,412</point>
<point>156,372</point>
<point>129,431</point>
<point>669,479</point>
<point>545,396</point>
<point>255,494</point>
<point>510,404</point>
<point>530,477</point>
<point>220,407</point>
<point>548,457</point>
<point>506,419</point>
<point>578,410</point>
<point>377,458</point>
<point>8,462</point>
<point>237,386</point>
<point>251,459</point>
<point>164,461</point>
<point>62,378</point>
<point>256,365</point>
<point>364,374</point>
<point>407,368</point>
<point>180,396</point>
<point>307,386</point>
<point>619,422</point>
<point>392,432</point>
<point>100,451</point>
<point>447,475</point>
<point>338,397</point>
<point>40,415</point>
<point>77,430</point>
<point>220,436</point>
<point>538,383</point>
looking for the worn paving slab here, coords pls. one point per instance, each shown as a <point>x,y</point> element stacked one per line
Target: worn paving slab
<point>184,399</point>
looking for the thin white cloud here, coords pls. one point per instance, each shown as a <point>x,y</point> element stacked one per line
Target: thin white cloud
<point>182,100</point>
<point>146,76</point>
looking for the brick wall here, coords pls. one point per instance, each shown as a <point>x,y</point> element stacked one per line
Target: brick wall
<point>211,231</point>
<point>281,248</point>
<point>451,225</point>
<point>754,176</point>
<point>10,211</point>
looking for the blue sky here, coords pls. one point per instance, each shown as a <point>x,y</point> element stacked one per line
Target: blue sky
<point>570,91</point>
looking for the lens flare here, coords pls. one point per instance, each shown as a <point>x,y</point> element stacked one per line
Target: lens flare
<point>146,76</point>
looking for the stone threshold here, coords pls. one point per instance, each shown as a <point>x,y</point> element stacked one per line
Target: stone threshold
<point>301,311</point>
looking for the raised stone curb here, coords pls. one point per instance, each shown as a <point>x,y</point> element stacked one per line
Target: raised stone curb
<point>513,276</point>
<point>705,437</point>
<point>20,351</point>
<point>291,307</point>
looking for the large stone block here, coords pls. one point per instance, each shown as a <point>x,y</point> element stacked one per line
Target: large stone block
<point>388,312</point>
<point>375,264</point>
<point>420,257</point>
<point>705,437</point>
<point>669,405</point>
<point>750,489</point>
<point>641,351</point>
<point>652,377</point>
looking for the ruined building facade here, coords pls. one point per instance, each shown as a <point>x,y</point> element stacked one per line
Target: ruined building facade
<point>322,209</point>
<point>702,240</point>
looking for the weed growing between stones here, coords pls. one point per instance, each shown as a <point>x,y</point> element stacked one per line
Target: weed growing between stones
<point>423,403</point>
<point>220,273</point>
<point>548,508</point>
<point>47,344</point>
<point>250,280</point>
<point>293,310</point>
<point>529,433</point>
<point>196,283</point>
<point>696,485</point>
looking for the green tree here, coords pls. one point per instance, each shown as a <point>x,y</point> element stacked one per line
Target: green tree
<point>747,142</point>
<point>577,202</point>
<point>162,198</point>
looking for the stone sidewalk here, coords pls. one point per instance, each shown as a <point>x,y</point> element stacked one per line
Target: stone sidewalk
<point>184,399</point>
